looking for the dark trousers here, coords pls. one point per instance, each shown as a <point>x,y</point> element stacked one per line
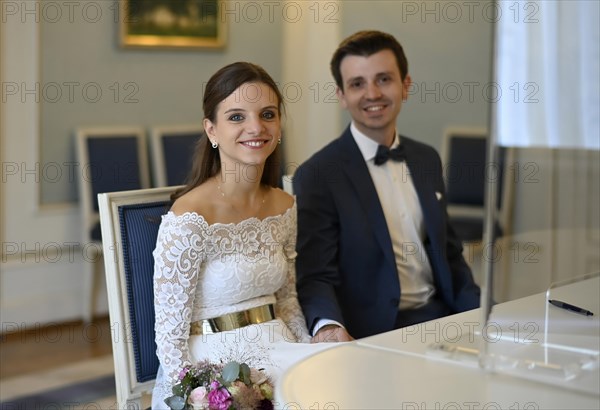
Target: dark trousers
<point>434,309</point>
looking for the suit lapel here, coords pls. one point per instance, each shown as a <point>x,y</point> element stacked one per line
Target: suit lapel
<point>423,173</point>
<point>358,174</point>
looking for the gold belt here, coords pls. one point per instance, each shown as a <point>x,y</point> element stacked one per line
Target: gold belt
<point>234,320</point>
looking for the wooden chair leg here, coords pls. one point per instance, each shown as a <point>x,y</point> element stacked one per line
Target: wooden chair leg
<point>93,261</point>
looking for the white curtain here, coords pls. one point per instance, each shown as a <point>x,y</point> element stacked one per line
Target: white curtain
<point>548,73</point>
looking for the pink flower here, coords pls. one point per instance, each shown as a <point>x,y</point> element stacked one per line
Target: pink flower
<point>218,397</point>
<point>183,372</point>
<point>198,398</point>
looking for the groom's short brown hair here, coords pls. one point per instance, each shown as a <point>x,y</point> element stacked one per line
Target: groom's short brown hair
<point>365,43</point>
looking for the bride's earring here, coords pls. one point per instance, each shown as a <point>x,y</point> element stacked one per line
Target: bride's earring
<point>279,140</point>
<point>214,144</point>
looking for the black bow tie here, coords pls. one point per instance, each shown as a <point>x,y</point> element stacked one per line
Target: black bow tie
<point>384,153</point>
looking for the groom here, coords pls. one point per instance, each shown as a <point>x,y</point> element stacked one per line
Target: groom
<point>375,249</point>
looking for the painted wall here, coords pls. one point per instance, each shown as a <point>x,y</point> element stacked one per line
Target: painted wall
<point>87,79</point>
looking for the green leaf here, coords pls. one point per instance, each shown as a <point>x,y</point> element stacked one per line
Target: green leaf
<point>175,402</point>
<point>245,374</point>
<point>222,382</point>
<point>231,371</point>
<point>178,390</point>
<point>188,379</point>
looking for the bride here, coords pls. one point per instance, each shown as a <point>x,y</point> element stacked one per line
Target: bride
<point>224,279</point>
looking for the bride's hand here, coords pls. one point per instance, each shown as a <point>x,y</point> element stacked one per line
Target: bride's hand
<point>331,333</point>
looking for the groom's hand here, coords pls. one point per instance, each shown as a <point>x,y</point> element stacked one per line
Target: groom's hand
<point>331,333</point>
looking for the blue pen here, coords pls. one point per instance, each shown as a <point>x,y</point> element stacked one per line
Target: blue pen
<point>570,307</point>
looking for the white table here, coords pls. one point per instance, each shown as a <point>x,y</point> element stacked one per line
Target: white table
<point>396,370</point>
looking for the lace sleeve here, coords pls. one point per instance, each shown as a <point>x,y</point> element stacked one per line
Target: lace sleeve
<point>287,307</point>
<point>177,258</point>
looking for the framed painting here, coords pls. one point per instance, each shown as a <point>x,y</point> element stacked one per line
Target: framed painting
<point>172,23</point>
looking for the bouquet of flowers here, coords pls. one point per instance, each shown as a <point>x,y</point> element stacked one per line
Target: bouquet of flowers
<point>234,386</point>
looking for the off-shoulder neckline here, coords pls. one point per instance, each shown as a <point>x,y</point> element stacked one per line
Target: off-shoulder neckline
<point>196,216</point>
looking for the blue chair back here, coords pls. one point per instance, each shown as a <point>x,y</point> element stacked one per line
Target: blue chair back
<point>466,171</point>
<point>139,225</point>
<point>178,152</point>
<point>114,165</point>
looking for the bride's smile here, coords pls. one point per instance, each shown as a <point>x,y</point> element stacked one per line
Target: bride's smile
<point>247,126</point>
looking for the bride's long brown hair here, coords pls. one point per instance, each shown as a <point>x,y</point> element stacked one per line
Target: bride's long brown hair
<point>207,162</point>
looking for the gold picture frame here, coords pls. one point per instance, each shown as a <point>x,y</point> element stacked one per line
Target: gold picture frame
<point>172,23</point>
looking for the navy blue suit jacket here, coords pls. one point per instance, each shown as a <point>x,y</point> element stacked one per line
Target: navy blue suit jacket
<point>346,269</point>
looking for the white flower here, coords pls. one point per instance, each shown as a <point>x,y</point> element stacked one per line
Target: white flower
<point>257,376</point>
<point>198,398</point>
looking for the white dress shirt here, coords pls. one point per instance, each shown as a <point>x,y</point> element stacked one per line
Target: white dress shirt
<point>404,219</point>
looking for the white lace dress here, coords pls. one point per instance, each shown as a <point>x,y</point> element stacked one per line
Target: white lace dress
<point>204,271</point>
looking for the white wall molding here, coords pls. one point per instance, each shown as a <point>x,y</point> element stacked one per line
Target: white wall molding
<point>36,287</point>
<point>37,292</point>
